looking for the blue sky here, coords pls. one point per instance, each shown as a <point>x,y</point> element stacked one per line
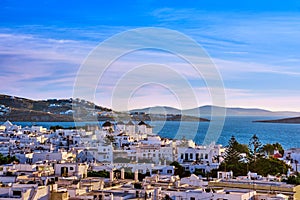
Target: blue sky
<point>254,44</point>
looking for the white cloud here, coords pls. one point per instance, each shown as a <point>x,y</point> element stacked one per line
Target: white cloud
<point>36,66</point>
<point>231,68</point>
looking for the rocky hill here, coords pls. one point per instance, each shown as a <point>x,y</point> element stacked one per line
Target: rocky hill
<point>22,109</point>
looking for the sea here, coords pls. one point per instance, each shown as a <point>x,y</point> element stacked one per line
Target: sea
<point>243,128</point>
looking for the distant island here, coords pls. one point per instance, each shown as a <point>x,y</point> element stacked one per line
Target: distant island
<point>291,120</point>
<point>207,109</point>
<point>141,116</point>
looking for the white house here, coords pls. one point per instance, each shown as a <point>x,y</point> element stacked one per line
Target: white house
<point>71,169</point>
<point>38,129</point>
<point>144,128</point>
<point>225,175</point>
<point>292,156</point>
<point>56,156</point>
<point>130,127</point>
<point>11,127</point>
<point>193,180</point>
<point>203,154</point>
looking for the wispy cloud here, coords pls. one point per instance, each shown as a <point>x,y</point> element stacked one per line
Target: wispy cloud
<point>47,49</point>
<point>256,53</point>
<point>32,66</point>
<point>238,67</point>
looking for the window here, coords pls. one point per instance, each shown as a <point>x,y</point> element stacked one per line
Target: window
<point>181,156</point>
<point>154,155</point>
<point>186,156</point>
<point>192,198</point>
<point>17,193</point>
<point>169,171</point>
<point>191,156</point>
<point>71,168</point>
<point>206,156</point>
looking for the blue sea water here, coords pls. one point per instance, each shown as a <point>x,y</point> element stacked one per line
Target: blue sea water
<point>241,127</point>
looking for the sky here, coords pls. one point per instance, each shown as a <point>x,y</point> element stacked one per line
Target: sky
<point>254,45</point>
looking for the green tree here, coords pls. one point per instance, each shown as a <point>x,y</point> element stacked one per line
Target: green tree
<point>129,175</point>
<point>279,148</point>
<point>269,149</point>
<point>231,153</point>
<point>234,149</point>
<point>121,160</point>
<point>255,163</point>
<point>104,174</point>
<point>54,128</point>
<point>295,180</point>
<point>266,166</point>
<point>233,158</point>
<point>180,170</point>
<point>7,159</point>
<point>199,172</point>
<point>238,168</point>
<point>255,147</point>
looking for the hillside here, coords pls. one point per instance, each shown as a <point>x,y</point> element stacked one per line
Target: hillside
<point>34,116</point>
<point>22,109</point>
